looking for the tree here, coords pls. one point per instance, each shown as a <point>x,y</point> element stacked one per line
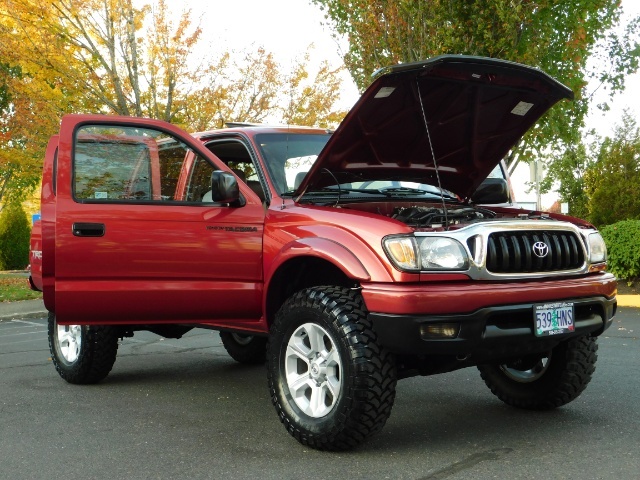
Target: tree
<point>98,55</point>
<point>568,172</point>
<point>109,56</point>
<point>252,88</point>
<point>22,117</point>
<point>612,182</point>
<point>309,103</point>
<point>14,237</point>
<point>560,37</point>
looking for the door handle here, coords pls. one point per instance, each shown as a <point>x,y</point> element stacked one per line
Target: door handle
<point>88,229</point>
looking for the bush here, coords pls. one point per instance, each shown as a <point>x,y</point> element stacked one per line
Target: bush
<point>14,237</point>
<point>623,246</point>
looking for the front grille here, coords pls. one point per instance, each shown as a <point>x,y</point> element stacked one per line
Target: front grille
<point>514,252</point>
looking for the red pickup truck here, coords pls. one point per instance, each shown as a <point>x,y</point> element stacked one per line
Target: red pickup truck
<point>346,260</point>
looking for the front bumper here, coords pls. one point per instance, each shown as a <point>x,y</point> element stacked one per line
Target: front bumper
<point>496,320</point>
<point>488,333</point>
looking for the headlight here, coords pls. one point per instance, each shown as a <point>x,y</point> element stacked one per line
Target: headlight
<point>597,248</point>
<point>426,253</point>
<point>440,253</point>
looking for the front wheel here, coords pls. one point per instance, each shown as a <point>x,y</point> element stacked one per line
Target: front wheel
<point>331,382</point>
<point>82,354</point>
<point>545,381</point>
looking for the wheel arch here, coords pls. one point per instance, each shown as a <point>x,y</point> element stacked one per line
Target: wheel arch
<point>300,272</point>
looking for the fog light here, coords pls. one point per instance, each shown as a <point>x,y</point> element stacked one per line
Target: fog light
<point>439,330</point>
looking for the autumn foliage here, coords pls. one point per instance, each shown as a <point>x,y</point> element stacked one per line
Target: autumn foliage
<point>113,57</point>
<point>566,39</point>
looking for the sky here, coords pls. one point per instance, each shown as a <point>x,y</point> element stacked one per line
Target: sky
<point>287,28</point>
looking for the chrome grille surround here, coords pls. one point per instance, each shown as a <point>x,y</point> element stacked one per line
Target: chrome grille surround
<point>487,242</point>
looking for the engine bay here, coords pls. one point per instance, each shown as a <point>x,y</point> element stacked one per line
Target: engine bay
<point>435,217</point>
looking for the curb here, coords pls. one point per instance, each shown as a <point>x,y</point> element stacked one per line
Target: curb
<point>32,316</point>
<point>25,316</point>
<point>629,301</point>
<point>22,310</point>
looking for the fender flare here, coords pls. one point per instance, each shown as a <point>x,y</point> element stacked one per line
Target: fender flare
<point>326,249</point>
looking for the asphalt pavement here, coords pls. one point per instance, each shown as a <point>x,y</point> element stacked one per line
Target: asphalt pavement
<point>177,409</point>
<point>183,409</point>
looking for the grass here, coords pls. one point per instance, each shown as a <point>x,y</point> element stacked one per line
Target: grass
<point>16,287</point>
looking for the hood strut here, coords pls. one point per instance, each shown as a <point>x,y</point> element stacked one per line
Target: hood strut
<point>433,155</point>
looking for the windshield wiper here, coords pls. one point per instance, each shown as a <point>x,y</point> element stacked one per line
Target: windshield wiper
<point>387,192</point>
<point>336,191</point>
<point>402,191</point>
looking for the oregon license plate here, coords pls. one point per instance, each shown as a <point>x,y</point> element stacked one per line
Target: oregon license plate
<point>554,319</point>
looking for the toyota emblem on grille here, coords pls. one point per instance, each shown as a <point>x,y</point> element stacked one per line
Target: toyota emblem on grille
<point>540,249</point>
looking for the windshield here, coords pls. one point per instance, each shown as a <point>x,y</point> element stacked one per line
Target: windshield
<point>290,156</point>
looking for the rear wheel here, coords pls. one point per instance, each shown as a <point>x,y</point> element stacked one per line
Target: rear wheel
<point>331,383</point>
<point>247,349</point>
<point>545,381</point>
<point>82,354</point>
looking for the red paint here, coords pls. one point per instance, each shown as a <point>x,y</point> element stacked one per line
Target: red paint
<point>213,265</point>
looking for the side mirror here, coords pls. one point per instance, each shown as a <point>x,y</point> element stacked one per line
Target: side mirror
<point>224,188</point>
<point>491,191</point>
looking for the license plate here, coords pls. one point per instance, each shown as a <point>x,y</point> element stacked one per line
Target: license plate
<point>553,319</point>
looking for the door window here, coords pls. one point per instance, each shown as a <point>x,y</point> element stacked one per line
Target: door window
<point>114,164</point>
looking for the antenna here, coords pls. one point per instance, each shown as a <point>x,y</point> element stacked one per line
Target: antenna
<point>337,184</point>
<point>286,156</point>
<point>433,155</point>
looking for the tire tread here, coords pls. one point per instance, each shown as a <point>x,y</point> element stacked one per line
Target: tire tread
<point>557,387</point>
<point>96,358</point>
<point>374,377</point>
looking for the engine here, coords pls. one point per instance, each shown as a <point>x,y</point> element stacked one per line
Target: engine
<point>436,217</point>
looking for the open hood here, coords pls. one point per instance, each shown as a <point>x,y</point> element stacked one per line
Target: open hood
<point>467,112</point>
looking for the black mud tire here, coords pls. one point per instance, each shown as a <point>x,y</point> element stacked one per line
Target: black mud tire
<point>545,383</point>
<point>246,349</point>
<point>82,354</point>
<point>348,353</point>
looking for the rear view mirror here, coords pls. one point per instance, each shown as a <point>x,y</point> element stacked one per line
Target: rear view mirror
<point>491,191</point>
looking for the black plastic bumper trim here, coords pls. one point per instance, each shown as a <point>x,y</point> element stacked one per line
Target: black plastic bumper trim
<point>489,331</point>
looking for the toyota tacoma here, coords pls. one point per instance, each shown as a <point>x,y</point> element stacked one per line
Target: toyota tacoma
<point>345,260</point>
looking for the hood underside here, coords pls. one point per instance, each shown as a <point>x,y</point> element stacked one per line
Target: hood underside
<point>467,112</point>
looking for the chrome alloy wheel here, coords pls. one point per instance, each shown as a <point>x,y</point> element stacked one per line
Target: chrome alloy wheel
<point>70,341</point>
<point>529,375</point>
<point>313,370</point>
